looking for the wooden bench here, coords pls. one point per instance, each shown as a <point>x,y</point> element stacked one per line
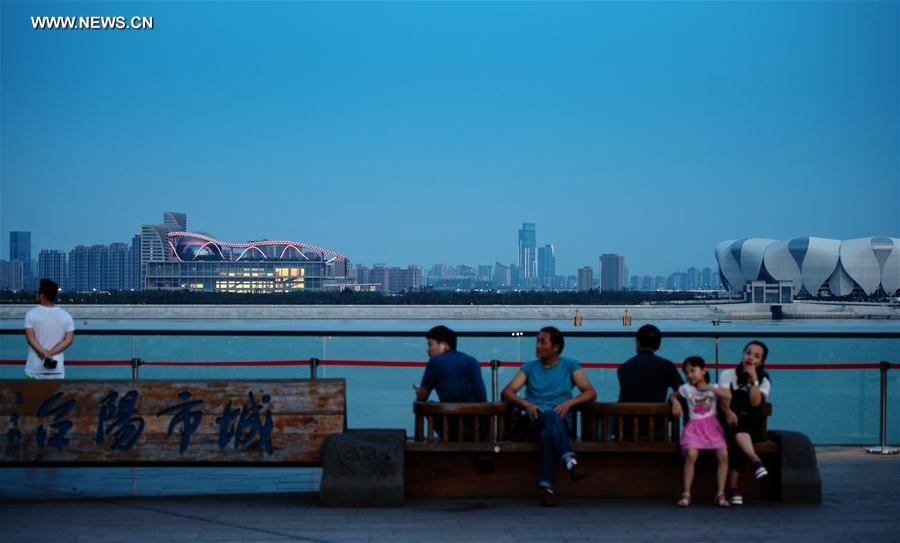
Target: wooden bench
<point>630,450</point>
<point>168,423</point>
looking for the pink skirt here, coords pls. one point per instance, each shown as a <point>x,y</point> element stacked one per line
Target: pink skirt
<point>703,434</point>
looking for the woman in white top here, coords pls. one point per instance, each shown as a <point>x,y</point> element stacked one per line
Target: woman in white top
<point>750,387</point>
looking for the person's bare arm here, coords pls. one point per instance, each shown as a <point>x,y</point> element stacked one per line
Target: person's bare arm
<point>62,345</point>
<point>675,400</point>
<point>510,394</point>
<point>756,397</point>
<point>588,394</point>
<point>723,394</point>
<point>33,343</point>
<point>421,393</point>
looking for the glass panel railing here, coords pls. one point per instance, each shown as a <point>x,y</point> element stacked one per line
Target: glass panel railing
<point>831,406</point>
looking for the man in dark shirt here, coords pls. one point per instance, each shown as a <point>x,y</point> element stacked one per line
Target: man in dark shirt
<point>454,375</point>
<point>646,377</point>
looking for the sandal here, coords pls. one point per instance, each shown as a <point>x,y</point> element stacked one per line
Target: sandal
<point>721,501</point>
<point>684,501</point>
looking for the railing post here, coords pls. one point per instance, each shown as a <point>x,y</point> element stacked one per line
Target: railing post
<point>313,368</point>
<point>495,397</point>
<point>495,369</point>
<point>717,359</point>
<point>883,447</point>
<point>136,368</point>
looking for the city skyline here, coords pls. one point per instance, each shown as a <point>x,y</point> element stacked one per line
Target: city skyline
<point>649,130</point>
<point>544,266</point>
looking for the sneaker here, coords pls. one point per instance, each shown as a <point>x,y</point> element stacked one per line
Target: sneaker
<point>759,470</point>
<point>735,497</point>
<point>548,498</point>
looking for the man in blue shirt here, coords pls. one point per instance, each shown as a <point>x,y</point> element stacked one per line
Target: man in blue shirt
<point>548,383</point>
<point>456,376</point>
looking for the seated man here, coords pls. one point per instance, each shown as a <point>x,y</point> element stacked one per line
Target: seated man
<point>454,375</point>
<point>548,383</point>
<point>646,377</point>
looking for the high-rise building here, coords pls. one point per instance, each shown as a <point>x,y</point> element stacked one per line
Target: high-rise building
<point>706,278</point>
<point>155,243</point>
<point>635,282</point>
<point>136,271</point>
<point>52,265</point>
<point>118,273</point>
<point>659,283</point>
<point>20,251</point>
<point>585,278</point>
<point>527,255</point>
<point>612,272</point>
<point>88,268</point>
<point>363,274</point>
<point>546,258</point>
<point>175,221</point>
<point>404,279</point>
<point>692,281</point>
<point>502,276</point>
<point>485,272</point>
<point>515,276</point>
<point>12,275</point>
<point>380,275</point>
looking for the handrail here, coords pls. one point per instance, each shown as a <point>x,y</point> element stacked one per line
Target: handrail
<point>421,333</point>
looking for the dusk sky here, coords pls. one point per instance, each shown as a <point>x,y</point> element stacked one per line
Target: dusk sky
<point>425,133</point>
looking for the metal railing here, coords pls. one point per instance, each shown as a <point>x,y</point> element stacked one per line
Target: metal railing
<point>136,363</point>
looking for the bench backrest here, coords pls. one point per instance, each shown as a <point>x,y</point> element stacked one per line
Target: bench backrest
<point>169,423</point>
<point>614,423</point>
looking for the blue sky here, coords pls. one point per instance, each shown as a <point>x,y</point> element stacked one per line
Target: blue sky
<point>422,133</point>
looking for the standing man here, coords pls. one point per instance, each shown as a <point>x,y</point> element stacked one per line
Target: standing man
<point>548,383</point>
<point>49,330</point>
<point>646,377</point>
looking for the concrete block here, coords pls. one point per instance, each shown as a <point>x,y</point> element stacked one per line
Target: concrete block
<point>363,468</point>
<point>800,479</point>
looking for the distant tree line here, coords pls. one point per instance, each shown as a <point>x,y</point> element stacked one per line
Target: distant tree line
<point>348,297</point>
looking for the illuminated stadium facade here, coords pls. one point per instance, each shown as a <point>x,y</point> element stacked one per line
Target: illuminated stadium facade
<point>199,262</point>
<point>813,266</point>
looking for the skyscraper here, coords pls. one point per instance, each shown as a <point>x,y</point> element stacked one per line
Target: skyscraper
<point>20,251</point>
<point>527,255</point>
<point>585,278</point>
<point>612,272</point>
<point>546,258</point>
<point>88,268</point>
<point>11,275</point>
<point>502,276</point>
<point>136,271</point>
<point>706,278</point>
<point>635,282</point>
<point>52,265</point>
<point>118,272</point>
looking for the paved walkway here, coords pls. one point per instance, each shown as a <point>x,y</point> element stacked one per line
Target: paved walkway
<point>861,503</point>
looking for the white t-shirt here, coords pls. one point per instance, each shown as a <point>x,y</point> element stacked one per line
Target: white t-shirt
<point>50,326</point>
<point>701,404</point>
<point>728,379</point>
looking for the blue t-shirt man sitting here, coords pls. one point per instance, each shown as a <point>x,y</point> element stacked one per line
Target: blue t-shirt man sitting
<point>548,383</point>
<point>454,375</point>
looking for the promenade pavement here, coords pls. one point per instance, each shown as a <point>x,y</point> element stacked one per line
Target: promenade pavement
<point>861,502</point>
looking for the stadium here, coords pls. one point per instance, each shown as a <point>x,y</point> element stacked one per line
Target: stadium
<point>813,267</point>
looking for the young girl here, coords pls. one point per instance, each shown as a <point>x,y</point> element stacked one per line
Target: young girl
<point>703,431</point>
<point>750,386</point>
